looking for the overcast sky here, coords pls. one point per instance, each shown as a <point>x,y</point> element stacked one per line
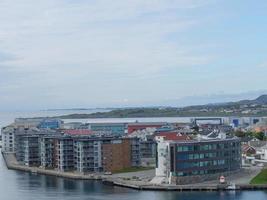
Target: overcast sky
<point>89,53</point>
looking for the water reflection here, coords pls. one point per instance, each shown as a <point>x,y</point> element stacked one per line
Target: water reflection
<point>16,185</point>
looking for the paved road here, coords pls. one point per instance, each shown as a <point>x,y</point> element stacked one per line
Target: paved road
<point>140,174</point>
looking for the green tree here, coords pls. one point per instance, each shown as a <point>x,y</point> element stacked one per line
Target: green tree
<point>259,135</point>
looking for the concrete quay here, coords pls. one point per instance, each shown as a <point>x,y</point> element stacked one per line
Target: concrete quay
<point>12,163</point>
<point>193,187</point>
<point>124,180</point>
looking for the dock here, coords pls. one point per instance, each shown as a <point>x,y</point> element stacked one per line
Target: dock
<point>12,164</point>
<point>211,187</point>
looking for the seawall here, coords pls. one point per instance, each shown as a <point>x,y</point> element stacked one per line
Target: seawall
<point>211,187</point>
<point>11,163</point>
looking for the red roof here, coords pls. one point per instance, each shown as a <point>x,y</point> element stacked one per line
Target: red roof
<point>174,136</point>
<point>247,147</point>
<point>78,131</point>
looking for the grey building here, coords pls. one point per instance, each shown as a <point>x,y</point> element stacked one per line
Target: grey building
<point>27,150</point>
<point>64,156</point>
<point>135,152</point>
<point>87,155</point>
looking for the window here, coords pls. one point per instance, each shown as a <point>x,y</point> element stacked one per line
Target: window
<point>196,156</point>
<point>180,174</point>
<point>179,148</point>
<point>185,148</point>
<point>221,162</point>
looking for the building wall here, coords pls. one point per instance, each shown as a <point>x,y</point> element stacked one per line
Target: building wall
<point>135,152</point>
<point>197,158</point>
<point>84,156</point>
<point>64,154</point>
<point>116,155</point>
<point>148,153</point>
<point>206,157</point>
<point>47,152</point>
<point>162,168</point>
<point>8,139</point>
<point>113,128</point>
<point>27,150</point>
<point>50,124</point>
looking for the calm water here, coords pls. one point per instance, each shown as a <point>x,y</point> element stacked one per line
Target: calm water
<point>16,185</point>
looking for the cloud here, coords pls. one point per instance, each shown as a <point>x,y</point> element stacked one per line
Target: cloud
<point>104,33</point>
<point>5,57</point>
<point>263,65</point>
<point>92,52</point>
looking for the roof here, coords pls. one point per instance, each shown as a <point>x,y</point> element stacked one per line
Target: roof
<point>78,132</point>
<point>174,136</point>
<point>247,147</point>
<point>147,124</point>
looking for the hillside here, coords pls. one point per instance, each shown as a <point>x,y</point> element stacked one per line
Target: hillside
<point>256,107</point>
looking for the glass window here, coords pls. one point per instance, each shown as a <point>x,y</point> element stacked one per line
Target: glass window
<point>179,148</point>
<point>196,156</point>
<point>185,148</point>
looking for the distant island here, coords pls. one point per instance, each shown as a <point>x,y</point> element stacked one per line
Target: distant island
<point>256,107</point>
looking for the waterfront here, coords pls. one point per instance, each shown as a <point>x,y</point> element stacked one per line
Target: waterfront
<point>25,186</point>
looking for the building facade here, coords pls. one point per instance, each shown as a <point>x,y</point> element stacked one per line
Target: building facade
<point>27,150</point>
<point>185,161</point>
<point>50,124</point>
<point>117,155</point>
<point>8,139</point>
<point>115,129</point>
<point>87,155</point>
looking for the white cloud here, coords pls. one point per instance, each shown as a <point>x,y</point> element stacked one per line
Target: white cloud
<point>56,46</point>
<point>263,65</point>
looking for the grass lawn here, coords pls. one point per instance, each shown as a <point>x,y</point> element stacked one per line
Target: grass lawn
<point>133,169</point>
<point>261,178</point>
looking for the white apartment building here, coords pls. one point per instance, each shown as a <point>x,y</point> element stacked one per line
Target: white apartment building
<point>8,139</point>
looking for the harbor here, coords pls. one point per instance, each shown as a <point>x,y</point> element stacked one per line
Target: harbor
<point>127,180</point>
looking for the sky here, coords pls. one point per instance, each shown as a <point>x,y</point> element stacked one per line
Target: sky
<point>105,53</point>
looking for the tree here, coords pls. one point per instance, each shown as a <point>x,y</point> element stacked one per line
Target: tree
<point>259,135</point>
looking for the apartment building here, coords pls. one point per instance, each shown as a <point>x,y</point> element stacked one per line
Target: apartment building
<point>47,151</point>
<point>87,155</point>
<point>8,138</point>
<point>27,150</point>
<point>116,155</point>
<point>64,153</point>
<point>81,153</point>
